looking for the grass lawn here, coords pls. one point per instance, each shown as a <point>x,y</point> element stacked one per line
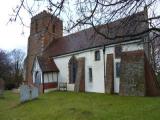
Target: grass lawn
<point>80,106</point>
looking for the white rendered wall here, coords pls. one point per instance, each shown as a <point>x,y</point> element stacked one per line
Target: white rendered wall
<point>97,85</point>
<point>132,47</point>
<point>50,77</point>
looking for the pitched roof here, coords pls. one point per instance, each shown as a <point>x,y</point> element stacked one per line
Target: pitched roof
<point>89,38</point>
<point>47,65</point>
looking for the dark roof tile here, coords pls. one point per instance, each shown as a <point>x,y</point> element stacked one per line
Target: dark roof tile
<point>89,38</point>
<point>47,65</point>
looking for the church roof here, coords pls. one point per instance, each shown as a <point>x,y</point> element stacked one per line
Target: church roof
<point>89,38</point>
<point>47,65</point>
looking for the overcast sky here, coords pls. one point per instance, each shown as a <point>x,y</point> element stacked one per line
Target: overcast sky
<point>11,36</point>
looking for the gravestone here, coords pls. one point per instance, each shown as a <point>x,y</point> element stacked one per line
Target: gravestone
<point>28,93</point>
<point>34,93</point>
<point>1,87</point>
<point>24,93</point>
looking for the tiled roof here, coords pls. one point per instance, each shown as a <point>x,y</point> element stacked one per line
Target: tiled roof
<point>47,65</point>
<point>89,38</point>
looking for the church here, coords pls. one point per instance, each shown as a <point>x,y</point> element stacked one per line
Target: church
<point>87,61</point>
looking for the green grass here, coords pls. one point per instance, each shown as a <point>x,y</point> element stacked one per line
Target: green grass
<point>80,106</point>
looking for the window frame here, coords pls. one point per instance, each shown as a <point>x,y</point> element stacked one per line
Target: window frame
<point>97,55</point>
<point>118,70</point>
<point>90,73</point>
<point>72,70</point>
<point>118,51</point>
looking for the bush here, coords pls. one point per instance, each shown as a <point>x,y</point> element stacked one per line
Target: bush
<point>9,86</point>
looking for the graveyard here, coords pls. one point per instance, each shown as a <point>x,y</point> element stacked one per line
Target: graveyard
<point>79,106</point>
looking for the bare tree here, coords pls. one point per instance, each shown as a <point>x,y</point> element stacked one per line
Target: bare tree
<point>155,42</point>
<point>5,65</point>
<point>88,12</point>
<point>17,58</point>
<point>80,14</point>
<point>5,68</point>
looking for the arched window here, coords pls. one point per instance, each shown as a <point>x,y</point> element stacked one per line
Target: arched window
<point>72,69</point>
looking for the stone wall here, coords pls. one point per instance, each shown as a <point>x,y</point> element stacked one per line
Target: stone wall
<point>132,78</point>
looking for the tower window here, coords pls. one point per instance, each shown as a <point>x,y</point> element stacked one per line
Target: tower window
<point>97,55</point>
<point>53,28</point>
<point>36,26</point>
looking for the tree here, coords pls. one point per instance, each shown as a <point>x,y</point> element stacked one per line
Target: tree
<point>80,14</point>
<point>17,58</point>
<point>11,67</point>
<point>5,68</point>
<point>5,65</point>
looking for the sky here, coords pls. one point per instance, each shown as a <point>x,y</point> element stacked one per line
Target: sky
<point>11,33</point>
<point>11,36</point>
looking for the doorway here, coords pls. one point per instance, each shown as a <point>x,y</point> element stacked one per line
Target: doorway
<point>38,80</point>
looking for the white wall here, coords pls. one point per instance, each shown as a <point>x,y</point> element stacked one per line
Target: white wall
<point>132,47</point>
<point>50,77</point>
<point>97,85</point>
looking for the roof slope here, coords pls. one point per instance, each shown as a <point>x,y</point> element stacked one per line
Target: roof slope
<point>47,65</point>
<point>89,38</point>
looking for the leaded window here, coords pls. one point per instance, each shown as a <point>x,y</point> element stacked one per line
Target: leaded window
<point>97,55</point>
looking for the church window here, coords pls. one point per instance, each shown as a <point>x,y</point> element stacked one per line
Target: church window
<point>97,55</point>
<point>90,75</point>
<point>118,51</point>
<point>72,70</point>
<point>118,65</point>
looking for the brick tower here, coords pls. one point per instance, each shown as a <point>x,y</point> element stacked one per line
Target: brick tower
<point>44,29</point>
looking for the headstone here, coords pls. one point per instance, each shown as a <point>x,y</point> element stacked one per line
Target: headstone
<point>28,93</point>
<point>1,87</point>
<point>34,93</point>
<point>24,93</point>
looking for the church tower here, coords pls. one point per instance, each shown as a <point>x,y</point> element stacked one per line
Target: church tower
<point>44,29</point>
